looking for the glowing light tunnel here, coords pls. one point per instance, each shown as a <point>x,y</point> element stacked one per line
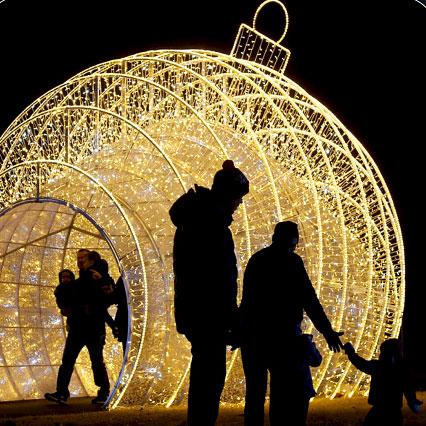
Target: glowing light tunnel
<point>98,161</point>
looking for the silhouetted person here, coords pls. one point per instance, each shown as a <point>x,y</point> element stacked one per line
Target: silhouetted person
<point>307,355</point>
<point>122,316</point>
<point>205,270</point>
<point>64,291</point>
<point>101,280</point>
<point>86,327</point>
<point>276,291</point>
<point>389,381</point>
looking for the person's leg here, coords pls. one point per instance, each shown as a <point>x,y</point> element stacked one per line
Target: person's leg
<point>372,418</point>
<point>286,406</point>
<point>256,375</point>
<point>288,397</point>
<point>73,345</point>
<point>206,381</point>
<point>382,415</point>
<point>303,410</point>
<point>95,345</point>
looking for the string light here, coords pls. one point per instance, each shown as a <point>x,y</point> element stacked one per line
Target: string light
<point>97,162</point>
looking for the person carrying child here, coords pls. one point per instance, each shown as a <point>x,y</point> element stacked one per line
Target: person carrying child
<point>84,301</point>
<point>390,380</point>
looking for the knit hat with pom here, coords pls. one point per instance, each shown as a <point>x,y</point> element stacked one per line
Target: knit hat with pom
<point>230,182</point>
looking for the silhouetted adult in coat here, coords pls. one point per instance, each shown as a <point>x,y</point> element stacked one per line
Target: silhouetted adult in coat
<point>205,270</point>
<point>276,291</point>
<point>86,306</point>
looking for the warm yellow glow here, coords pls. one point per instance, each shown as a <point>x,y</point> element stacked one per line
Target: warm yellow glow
<point>98,161</point>
<point>285,13</point>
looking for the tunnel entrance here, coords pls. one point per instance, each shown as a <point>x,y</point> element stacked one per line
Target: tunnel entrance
<point>37,240</point>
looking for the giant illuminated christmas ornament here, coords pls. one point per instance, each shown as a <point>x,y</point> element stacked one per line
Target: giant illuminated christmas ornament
<point>98,161</point>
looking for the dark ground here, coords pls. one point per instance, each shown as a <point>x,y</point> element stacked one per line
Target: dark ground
<point>79,411</point>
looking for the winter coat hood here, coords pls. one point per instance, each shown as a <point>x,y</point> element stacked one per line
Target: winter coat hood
<point>199,207</point>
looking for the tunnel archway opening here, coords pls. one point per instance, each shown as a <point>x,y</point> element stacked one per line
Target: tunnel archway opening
<point>40,237</point>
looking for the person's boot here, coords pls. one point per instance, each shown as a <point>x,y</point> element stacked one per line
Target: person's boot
<point>101,398</point>
<point>56,397</point>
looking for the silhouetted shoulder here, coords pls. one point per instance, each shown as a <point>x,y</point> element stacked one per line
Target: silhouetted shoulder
<point>278,258</point>
<point>182,207</point>
<point>294,257</point>
<point>262,253</point>
<point>194,208</point>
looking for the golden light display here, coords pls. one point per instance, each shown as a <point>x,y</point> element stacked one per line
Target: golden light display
<point>98,161</point>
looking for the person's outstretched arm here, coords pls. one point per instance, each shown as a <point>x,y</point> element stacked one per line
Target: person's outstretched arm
<point>359,362</point>
<point>315,311</point>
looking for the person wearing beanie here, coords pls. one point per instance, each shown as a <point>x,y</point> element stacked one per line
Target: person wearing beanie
<point>276,291</point>
<point>205,269</point>
<point>230,183</point>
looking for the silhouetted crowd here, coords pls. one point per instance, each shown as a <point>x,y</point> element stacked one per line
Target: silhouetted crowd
<point>266,326</point>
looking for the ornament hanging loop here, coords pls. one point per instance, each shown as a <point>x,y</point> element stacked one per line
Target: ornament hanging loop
<point>285,12</point>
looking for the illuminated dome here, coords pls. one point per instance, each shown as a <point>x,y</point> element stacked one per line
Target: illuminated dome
<point>98,161</point>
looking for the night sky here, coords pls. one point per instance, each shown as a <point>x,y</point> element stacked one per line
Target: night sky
<point>364,60</point>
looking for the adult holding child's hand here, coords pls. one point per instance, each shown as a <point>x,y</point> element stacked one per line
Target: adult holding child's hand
<point>333,340</point>
<point>276,292</point>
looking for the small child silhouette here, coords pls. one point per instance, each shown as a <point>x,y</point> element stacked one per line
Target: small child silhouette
<point>64,291</point>
<point>389,382</point>
<point>309,357</point>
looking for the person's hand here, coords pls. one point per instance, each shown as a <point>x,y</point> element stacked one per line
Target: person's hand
<point>348,348</point>
<point>95,274</point>
<point>414,405</point>
<point>333,340</point>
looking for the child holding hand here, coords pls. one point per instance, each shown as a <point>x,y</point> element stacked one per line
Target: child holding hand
<point>389,382</point>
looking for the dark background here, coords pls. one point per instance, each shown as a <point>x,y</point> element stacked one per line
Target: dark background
<point>363,60</point>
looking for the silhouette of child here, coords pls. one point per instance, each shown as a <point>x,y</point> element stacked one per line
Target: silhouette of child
<point>309,357</point>
<point>389,381</point>
<point>64,292</point>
